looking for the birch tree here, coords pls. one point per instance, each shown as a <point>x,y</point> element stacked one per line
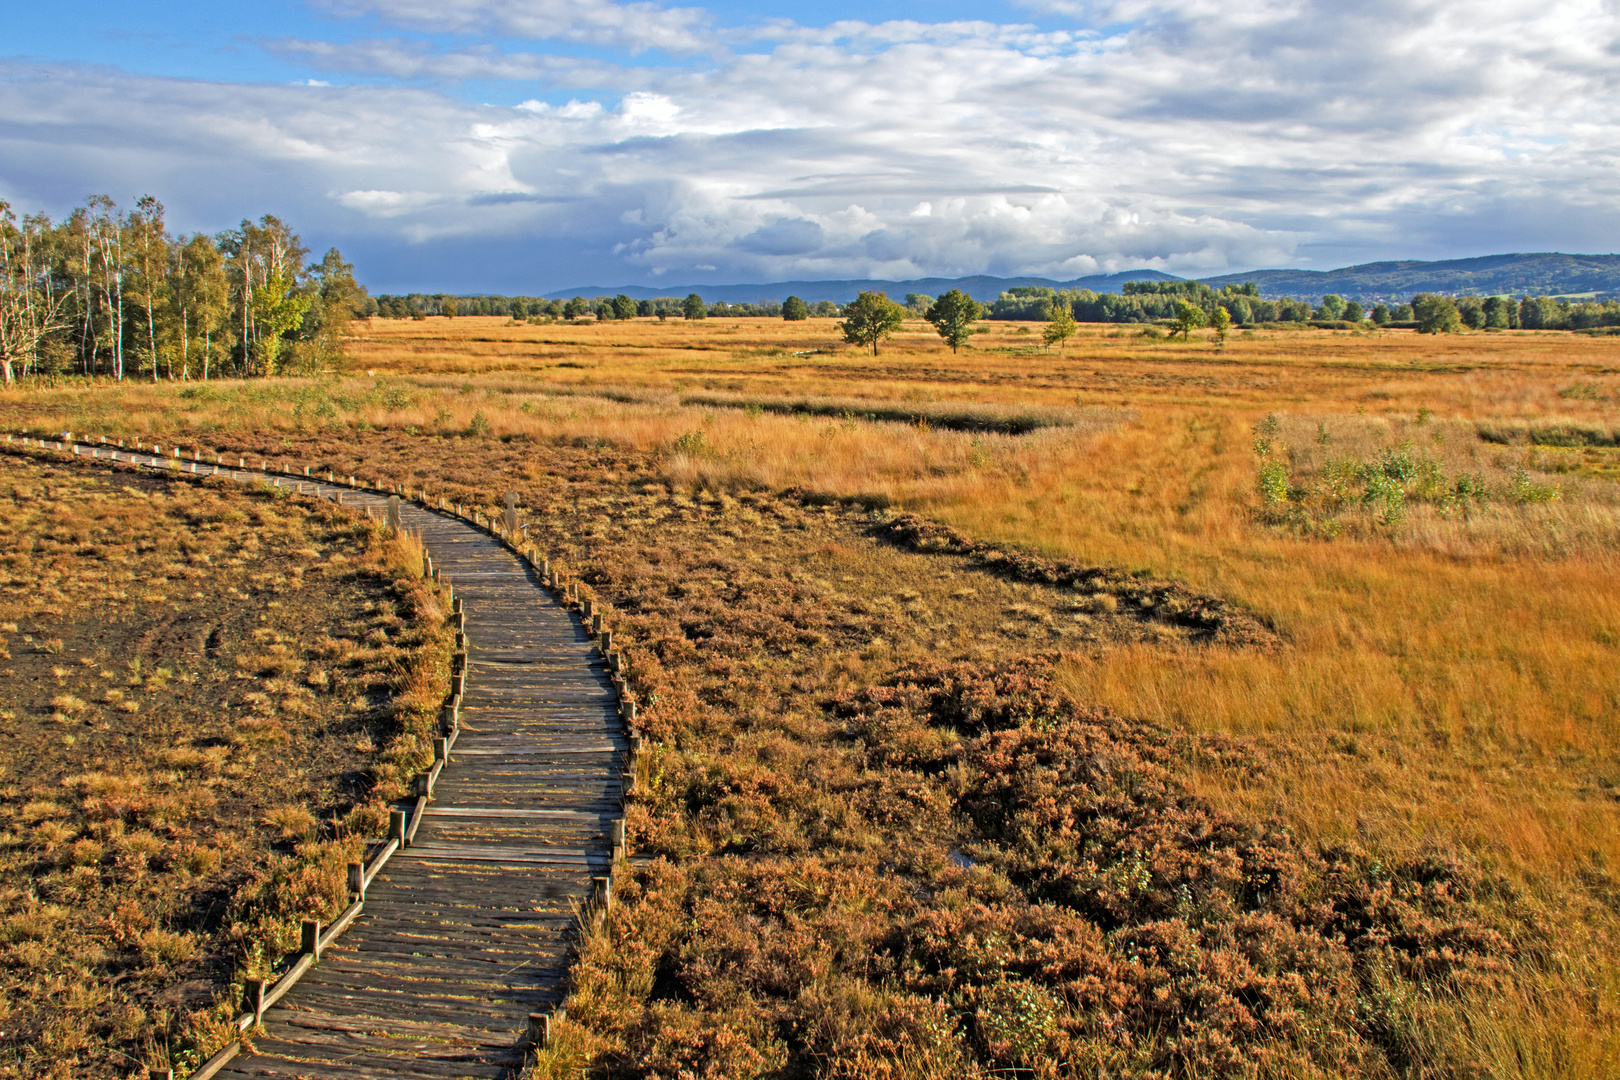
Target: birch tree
<point>148,244</point>
<point>32,302</point>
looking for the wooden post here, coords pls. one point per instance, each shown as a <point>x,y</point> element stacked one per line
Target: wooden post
<point>310,941</point>
<point>306,470</point>
<point>605,639</point>
<point>160,1074</point>
<point>393,513</point>
<point>396,826</point>
<point>596,624</point>
<point>427,565</point>
<point>539,1030</point>
<point>357,880</point>
<point>628,782</point>
<point>441,750</point>
<point>511,512</point>
<point>627,710</point>
<point>618,837</point>
<point>455,606</point>
<point>253,998</point>
<point>586,606</point>
<point>602,892</point>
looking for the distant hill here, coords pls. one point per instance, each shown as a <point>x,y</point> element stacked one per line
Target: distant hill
<point>1538,274</point>
<point>981,288</point>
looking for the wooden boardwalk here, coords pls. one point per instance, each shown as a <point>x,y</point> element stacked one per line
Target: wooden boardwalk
<point>468,930</point>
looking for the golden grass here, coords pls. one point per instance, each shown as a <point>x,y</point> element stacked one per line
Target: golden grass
<point>1447,682</point>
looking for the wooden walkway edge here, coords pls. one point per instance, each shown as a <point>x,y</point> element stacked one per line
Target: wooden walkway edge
<point>461,942</point>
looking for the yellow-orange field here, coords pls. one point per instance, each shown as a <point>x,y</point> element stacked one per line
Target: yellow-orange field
<point>1450,672</point>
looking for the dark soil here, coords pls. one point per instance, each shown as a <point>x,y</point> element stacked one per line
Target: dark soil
<point>184,693</point>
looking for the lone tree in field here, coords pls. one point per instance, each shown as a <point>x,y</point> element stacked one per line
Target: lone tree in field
<point>1189,317</point>
<point>794,309</point>
<point>694,308</point>
<point>953,315</point>
<point>1221,320</point>
<point>1060,324</point>
<point>871,318</point>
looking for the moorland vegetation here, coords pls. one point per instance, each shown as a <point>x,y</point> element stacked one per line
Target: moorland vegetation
<point>1157,707</point>
<point>209,698</point>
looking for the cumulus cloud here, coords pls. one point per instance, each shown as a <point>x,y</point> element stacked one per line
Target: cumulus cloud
<point>1186,136</point>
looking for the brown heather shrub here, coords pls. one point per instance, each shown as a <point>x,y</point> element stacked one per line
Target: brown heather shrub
<point>1106,921</point>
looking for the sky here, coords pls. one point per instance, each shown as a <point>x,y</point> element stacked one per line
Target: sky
<point>524,146</point>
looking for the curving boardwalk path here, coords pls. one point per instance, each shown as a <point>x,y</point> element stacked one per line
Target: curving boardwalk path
<point>466,932</point>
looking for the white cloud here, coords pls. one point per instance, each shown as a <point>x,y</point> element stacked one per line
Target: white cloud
<point>635,26</point>
<point>1186,136</point>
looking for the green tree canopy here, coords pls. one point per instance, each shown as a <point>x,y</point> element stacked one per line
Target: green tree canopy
<point>1436,314</point>
<point>870,319</point>
<point>1189,317</point>
<point>1221,320</point>
<point>623,307</point>
<point>694,308</point>
<point>1060,324</point>
<point>953,315</point>
<point>794,309</point>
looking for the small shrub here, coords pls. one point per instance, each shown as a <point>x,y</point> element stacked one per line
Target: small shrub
<point>1265,434</point>
<point>1273,484</point>
<point>1522,490</point>
<point>693,444</point>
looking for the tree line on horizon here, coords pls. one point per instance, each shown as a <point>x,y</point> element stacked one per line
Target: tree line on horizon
<point>1162,301</point>
<point>110,292</point>
<point>598,308</point>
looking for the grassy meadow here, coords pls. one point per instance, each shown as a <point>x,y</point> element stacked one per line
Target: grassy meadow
<point>1428,529</point>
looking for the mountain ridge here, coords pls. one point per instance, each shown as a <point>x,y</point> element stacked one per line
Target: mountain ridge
<point>1546,273</point>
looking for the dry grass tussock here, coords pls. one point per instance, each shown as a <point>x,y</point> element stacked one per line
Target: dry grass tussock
<point>188,707</point>
<point>1444,679</point>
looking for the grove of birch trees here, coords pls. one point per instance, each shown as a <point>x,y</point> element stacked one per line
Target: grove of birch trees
<point>110,293</point>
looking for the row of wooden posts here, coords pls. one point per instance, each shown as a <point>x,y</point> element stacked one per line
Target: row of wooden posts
<point>259,994</point>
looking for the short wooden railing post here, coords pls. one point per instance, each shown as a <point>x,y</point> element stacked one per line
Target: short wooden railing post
<point>310,938</point>
<point>253,998</point>
<point>357,880</point>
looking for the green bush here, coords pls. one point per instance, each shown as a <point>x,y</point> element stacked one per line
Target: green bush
<point>1273,484</point>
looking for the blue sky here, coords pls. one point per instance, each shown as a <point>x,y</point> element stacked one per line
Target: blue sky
<point>529,145</point>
